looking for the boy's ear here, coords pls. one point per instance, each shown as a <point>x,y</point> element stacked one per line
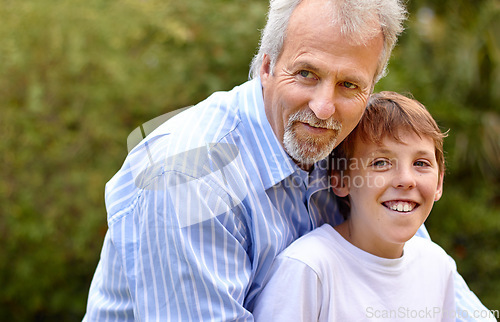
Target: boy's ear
<point>439,190</point>
<point>339,184</point>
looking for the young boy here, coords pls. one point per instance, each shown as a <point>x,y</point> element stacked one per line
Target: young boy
<point>388,173</point>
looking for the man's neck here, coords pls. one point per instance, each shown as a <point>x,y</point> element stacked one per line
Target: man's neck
<point>305,166</point>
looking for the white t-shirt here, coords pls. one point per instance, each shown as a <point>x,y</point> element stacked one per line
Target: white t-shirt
<point>323,277</point>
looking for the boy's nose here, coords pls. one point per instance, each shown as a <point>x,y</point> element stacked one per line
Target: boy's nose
<point>404,179</point>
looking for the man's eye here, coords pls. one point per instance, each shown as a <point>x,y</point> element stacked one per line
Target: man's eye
<point>349,85</point>
<point>306,74</point>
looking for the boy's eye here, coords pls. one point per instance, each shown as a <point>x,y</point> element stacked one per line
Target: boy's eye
<point>421,163</point>
<point>380,163</point>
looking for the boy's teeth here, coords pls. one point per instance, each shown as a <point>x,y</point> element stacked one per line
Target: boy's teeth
<point>401,206</point>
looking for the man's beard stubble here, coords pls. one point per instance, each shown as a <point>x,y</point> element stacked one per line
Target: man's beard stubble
<point>311,149</point>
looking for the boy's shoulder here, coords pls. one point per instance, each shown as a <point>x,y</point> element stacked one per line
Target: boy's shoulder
<point>323,245</point>
<point>315,241</point>
<point>424,244</point>
<point>316,249</point>
<point>420,248</point>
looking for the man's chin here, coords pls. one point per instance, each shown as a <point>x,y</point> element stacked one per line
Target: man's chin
<point>307,150</point>
<point>307,157</point>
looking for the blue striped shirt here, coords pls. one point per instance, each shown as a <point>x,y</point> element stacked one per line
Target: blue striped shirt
<point>199,211</point>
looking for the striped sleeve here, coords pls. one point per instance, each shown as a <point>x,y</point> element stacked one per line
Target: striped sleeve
<point>468,305</point>
<point>180,255</point>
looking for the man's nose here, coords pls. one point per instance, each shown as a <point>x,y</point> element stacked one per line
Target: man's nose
<point>323,102</point>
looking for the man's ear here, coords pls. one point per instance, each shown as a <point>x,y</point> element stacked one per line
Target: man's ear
<point>340,184</point>
<point>265,68</point>
<point>439,190</point>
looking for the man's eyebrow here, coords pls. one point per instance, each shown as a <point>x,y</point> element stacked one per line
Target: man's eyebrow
<point>306,65</point>
<point>357,79</point>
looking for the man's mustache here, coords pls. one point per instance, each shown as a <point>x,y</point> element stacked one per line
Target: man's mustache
<point>306,116</point>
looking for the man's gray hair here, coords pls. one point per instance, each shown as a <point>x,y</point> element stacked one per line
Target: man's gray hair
<point>355,18</point>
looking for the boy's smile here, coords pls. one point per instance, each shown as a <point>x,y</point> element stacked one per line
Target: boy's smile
<point>401,205</point>
<point>391,190</point>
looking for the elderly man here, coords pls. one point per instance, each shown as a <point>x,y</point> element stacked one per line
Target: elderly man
<point>203,205</point>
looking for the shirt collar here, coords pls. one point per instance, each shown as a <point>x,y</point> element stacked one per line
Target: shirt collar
<point>319,178</point>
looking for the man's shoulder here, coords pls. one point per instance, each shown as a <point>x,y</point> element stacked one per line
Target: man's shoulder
<point>214,120</point>
<point>207,122</point>
<point>197,145</point>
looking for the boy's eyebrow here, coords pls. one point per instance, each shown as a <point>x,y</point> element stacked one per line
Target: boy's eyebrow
<point>388,151</point>
<point>425,152</point>
<point>382,151</point>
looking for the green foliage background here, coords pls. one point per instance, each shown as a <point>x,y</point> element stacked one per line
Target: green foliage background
<point>77,76</point>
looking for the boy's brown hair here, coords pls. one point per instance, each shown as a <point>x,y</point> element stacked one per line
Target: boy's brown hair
<point>386,115</point>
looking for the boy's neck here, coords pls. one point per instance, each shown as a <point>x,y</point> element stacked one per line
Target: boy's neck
<point>361,241</point>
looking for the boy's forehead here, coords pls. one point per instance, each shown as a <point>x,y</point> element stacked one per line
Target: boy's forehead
<point>385,144</point>
<point>380,133</point>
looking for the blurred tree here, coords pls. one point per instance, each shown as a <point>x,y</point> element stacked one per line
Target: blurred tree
<point>79,75</point>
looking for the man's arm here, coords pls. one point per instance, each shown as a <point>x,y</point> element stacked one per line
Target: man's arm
<point>468,306</point>
<point>183,250</point>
